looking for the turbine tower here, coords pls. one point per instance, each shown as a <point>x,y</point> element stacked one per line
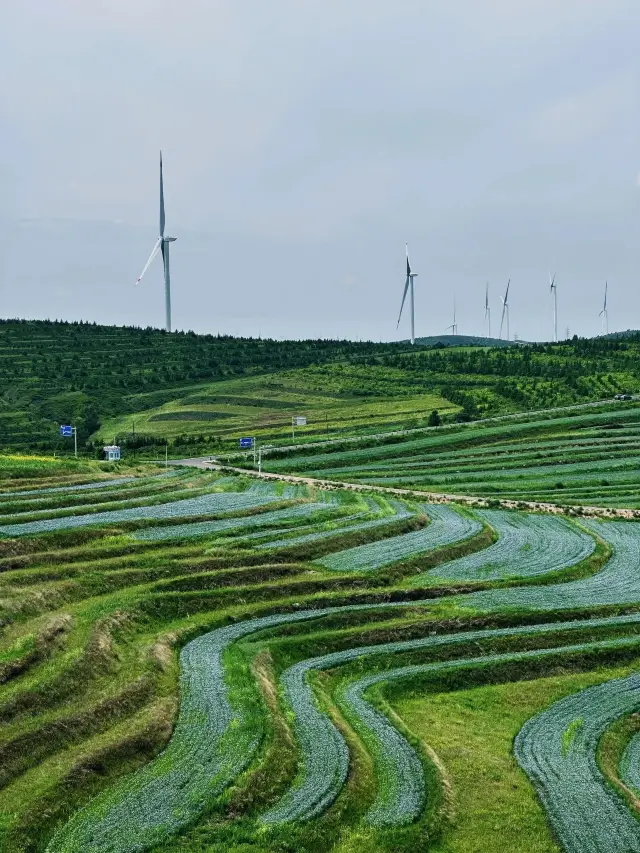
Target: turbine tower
<point>454,325</point>
<point>553,289</point>
<point>505,310</point>
<point>409,285</point>
<point>487,311</point>
<point>605,313</point>
<point>162,245</point>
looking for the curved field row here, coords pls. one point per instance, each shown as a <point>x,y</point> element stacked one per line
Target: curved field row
<point>324,762</point>
<point>557,750</point>
<point>212,502</point>
<point>94,492</point>
<point>447,526</point>
<point>630,764</point>
<point>213,740</point>
<point>399,511</point>
<point>258,758</point>
<point>208,528</point>
<point>97,484</point>
<point>527,545</point>
<point>618,582</point>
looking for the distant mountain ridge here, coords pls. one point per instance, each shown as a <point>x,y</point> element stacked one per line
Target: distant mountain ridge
<point>465,341</point>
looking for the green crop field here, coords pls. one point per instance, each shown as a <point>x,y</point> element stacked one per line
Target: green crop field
<point>194,660</point>
<point>420,631</point>
<point>585,454</point>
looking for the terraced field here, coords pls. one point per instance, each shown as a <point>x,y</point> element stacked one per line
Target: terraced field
<point>585,455</point>
<point>195,661</point>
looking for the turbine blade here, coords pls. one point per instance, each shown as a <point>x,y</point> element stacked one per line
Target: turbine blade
<point>161,199</point>
<point>504,308</point>
<point>506,296</point>
<point>404,296</point>
<point>406,248</point>
<point>158,246</point>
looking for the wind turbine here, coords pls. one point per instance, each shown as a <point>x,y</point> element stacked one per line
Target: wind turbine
<point>409,284</point>
<point>454,325</point>
<point>487,310</point>
<point>505,310</point>
<point>162,245</point>
<point>553,289</point>
<point>605,313</point>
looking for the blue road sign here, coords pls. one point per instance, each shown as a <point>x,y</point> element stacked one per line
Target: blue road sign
<point>246,443</point>
<point>66,430</point>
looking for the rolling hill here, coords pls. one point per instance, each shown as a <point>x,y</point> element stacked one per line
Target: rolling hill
<point>201,393</point>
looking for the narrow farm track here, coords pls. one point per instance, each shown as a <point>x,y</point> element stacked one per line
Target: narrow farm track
<point>417,494</point>
<point>203,660</point>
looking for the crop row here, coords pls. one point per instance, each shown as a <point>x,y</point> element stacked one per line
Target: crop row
<point>214,741</point>
<point>399,510</point>
<point>98,484</point>
<point>527,545</point>
<point>447,526</point>
<point>557,749</point>
<point>617,582</point>
<point>208,528</point>
<point>213,502</point>
<point>144,491</point>
<point>323,765</point>
<point>630,764</point>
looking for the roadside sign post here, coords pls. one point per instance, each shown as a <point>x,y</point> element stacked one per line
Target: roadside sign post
<point>297,421</point>
<point>66,430</point>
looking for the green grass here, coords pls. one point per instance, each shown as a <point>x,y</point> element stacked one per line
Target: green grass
<point>472,732</point>
<point>94,620</point>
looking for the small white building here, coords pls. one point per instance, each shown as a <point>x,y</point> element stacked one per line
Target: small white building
<point>112,453</point>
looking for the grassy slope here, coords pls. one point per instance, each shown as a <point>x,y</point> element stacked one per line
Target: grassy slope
<point>335,401</point>
<point>204,390</point>
<point>472,731</point>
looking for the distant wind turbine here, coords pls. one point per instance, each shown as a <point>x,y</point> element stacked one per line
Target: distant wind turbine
<point>553,289</point>
<point>162,245</point>
<point>409,285</point>
<point>605,312</point>
<point>454,325</point>
<point>487,310</point>
<point>505,310</point>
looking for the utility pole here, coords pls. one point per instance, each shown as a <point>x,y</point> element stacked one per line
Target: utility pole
<point>261,449</point>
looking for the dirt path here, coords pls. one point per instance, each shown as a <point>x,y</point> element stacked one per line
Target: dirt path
<point>433,497</point>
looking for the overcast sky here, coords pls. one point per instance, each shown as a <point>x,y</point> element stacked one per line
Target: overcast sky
<point>304,142</point>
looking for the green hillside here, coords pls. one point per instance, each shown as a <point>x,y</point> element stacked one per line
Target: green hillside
<point>201,393</point>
